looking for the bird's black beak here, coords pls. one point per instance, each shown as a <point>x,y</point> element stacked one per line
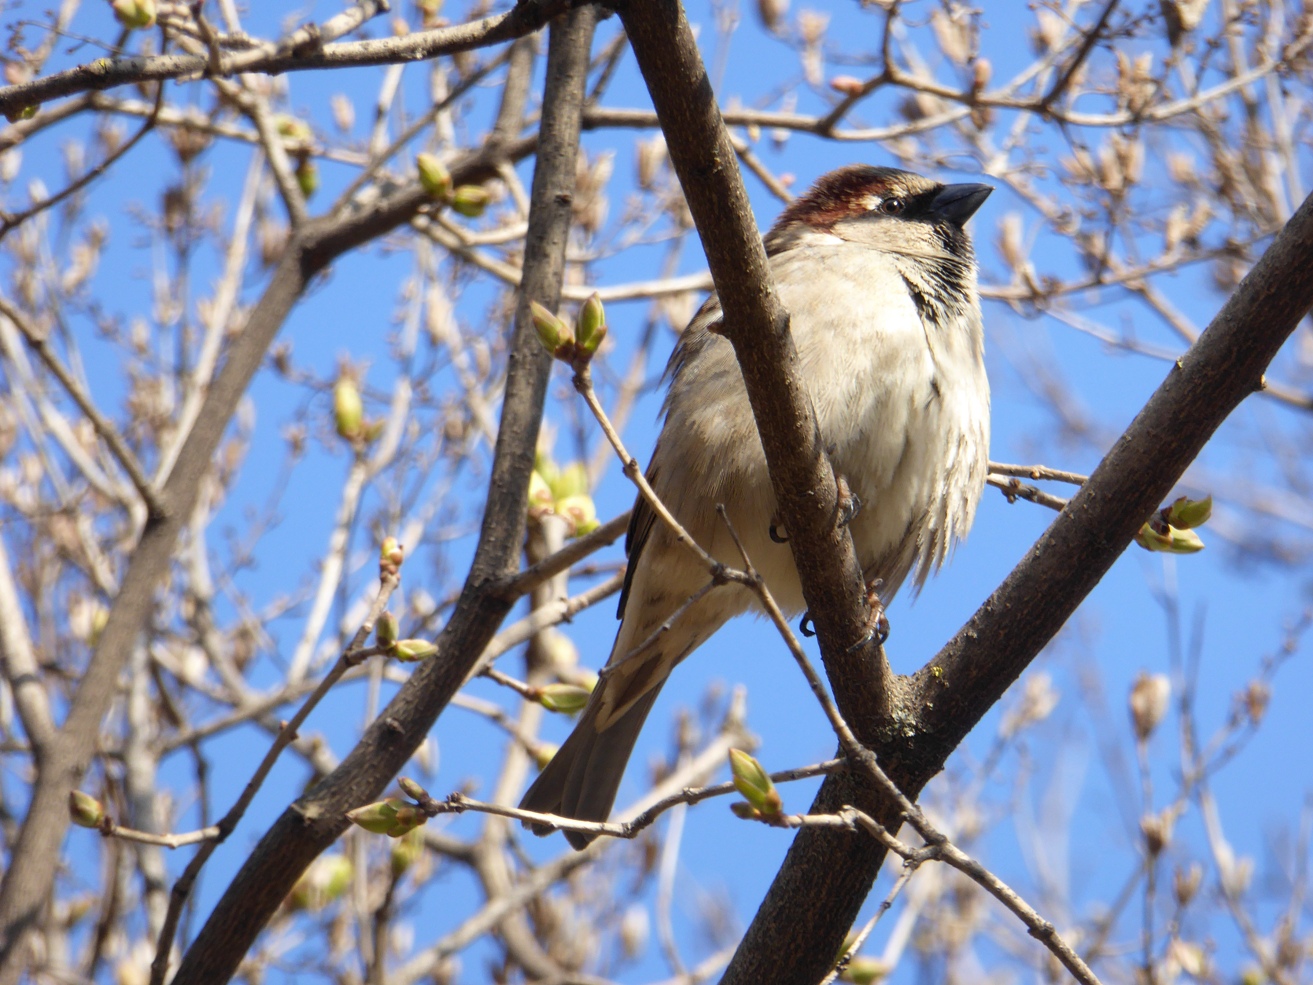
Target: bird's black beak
<point>958,203</point>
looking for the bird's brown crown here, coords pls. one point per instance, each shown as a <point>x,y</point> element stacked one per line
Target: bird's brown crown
<point>852,191</point>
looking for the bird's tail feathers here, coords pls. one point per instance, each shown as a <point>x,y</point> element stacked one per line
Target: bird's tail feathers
<point>584,776</point>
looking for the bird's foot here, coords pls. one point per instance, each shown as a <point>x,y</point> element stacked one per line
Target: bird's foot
<point>877,627</point>
<point>848,504</point>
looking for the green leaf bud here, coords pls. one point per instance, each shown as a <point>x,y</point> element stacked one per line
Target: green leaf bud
<point>390,553</point>
<point>385,630</point>
<point>541,500</point>
<point>85,810</point>
<point>581,511</point>
<point>377,818</point>
<point>412,789</point>
<point>434,178</point>
<point>470,200</point>
<point>408,819</point>
<point>406,851</point>
<point>1185,514</point>
<point>135,14</point>
<point>592,319</point>
<point>390,817</point>
<point>564,698</point>
<point>864,971</point>
<point>14,114</point>
<point>752,780</point>
<point>570,481</point>
<point>348,408</point>
<point>410,651</point>
<point>553,332</point>
<point>594,341</point>
<point>307,176</point>
<point>295,132</point>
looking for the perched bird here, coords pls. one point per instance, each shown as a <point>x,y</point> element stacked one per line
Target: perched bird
<point>879,278</point>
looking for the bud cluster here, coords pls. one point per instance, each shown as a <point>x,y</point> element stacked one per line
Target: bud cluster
<point>435,179</point>
<point>390,556</point>
<point>397,818</point>
<point>1171,529</point>
<point>563,492</point>
<point>391,817</point>
<point>578,346</point>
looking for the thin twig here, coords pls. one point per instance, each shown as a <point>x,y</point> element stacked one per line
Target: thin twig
<point>551,614</point>
<point>1088,42</point>
<point>458,803</point>
<point>527,691</point>
<point>583,383</point>
<point>108,433</point>
<point>904,877</point>
<point>112,830</point>
<point>1014,490</point>
<point>578,549</point>
<point>266,57</point>
<point>1037,472</point>
<point>18,218</point>
<point>758,585</point>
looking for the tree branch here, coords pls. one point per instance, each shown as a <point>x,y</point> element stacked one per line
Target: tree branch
<point>525,17</point>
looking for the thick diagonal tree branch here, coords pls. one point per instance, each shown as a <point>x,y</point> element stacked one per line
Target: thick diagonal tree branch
<point>316,820</point>
<point>913,724</point>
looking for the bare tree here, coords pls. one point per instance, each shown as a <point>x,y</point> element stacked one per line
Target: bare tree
<point>1141,141</point>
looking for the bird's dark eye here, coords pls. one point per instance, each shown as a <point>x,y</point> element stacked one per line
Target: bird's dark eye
<point>893,206</point>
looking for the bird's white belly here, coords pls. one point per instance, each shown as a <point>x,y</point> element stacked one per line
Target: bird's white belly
<point>905,423</point>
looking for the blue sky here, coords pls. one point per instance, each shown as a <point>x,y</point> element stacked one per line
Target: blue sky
<point>1233,609</point>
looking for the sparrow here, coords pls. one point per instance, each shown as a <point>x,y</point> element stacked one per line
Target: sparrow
<point>879,278</point>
